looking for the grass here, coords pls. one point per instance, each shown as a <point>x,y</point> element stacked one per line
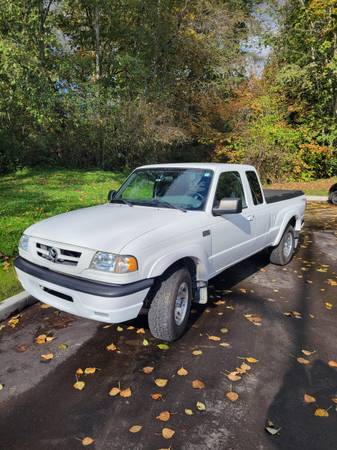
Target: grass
<point>28,196</point>
<point>317,187</point>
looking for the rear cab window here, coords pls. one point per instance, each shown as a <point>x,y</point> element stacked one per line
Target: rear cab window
<point>255,187</point>
<point>229,186</point>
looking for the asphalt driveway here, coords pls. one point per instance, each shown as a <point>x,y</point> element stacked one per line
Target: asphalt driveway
<point>280,322</point>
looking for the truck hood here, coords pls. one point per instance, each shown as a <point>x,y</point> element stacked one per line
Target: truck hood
<point>106,227</point>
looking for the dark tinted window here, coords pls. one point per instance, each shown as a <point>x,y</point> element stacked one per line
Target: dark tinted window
<point>254,187</point>
<point>229,186</point>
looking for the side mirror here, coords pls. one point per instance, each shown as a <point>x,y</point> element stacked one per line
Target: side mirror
<point>111,195</point>
<point>228,206</point>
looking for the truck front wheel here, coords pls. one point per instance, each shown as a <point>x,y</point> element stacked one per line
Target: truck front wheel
<point>171,305</point>
<point>283,252</point>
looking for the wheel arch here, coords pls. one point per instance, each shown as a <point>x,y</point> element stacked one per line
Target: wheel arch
<point>290,219</point>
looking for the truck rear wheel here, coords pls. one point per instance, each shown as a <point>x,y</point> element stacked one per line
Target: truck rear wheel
<point>170,307</point>
<point>283,252</point>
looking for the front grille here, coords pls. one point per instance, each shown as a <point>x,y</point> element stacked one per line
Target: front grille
<point>58,294</point>
<point>58,255</point>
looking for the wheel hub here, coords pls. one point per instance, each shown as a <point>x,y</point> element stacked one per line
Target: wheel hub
<point>181,303</point>
<point>288,245</point>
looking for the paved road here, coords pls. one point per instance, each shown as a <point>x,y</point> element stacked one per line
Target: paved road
<point>40,409</point>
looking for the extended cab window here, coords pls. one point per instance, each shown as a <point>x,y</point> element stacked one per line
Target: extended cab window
<point>229,186</point>
<point>254,187</point>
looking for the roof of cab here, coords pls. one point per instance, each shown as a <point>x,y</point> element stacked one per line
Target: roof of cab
<point>212,166</point>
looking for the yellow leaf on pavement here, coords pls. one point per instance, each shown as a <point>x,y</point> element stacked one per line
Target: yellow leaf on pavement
<point>79,385</point>
<point>111,347</point>
<point>148,369</point>
<point>79,371</point>
<point>309,398</point>
<point>251,360</point>
<point>90,370</point>
<point>41,339</point>
<point>87,441</point>
<point>214,338</point>
<point>114,391</point>
<point>47,356</point>
<point>197,352</point>
<point>182,372</point>
<point>201,406</point>
<point>332,363</point>
<point>198,384</point>
<point>161,382</point>
<point>156,396</point>
<point>303,360</point>
<point>233,376</point>
<point>167,433</point>
<point>135,428</point>
<point>232,396</point>
<point>126,393</point>
<point>320,412</point>
<point>140,331</point>
<point>188,412</point>
<point>164,416</point>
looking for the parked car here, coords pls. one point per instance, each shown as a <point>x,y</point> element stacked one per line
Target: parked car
<point>162,236</point>
<point>333,194</point>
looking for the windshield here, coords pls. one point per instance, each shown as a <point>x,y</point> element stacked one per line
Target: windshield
<point>181,188</point>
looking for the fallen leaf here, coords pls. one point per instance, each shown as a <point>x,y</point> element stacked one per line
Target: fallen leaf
<point>164,416</point>
<point>225,344</point>
<point>107,326</point>
<point>167,433</point>
<point>119,328</point>
<point>79,385</point>
<point>254,319</point>
<point>293,314</point>
<point>145,342</point>
<point>1,386</point>
<point>50,338</point>
<point>2,327</point>
<point>140,331</point>
<point>328,305</point>
<point>22,348</point>
<point>182,372</point>
<point>135,428</point>
<point>303,360</point>
<point>126,393</point>
<point>201,406</point>
<point>90,370</point>
<point>214,338</point>
<point>271,429</point>
<point>243,290</point>
<point>163,346</point>
<point>44,306</point>
<point>198,384</point>
<point>14,321</point>
<point>332,363</point>
<point>188,412</point>
<point>224,330</point>
<point>252,360</point>
<point>62,346</point>
<point>41,339</point>
<point>219,302</point>
<point>79,371</point>
<point>320,412</point>
<point>130,327</point>
<point>233,376</point>
<point>161,382</point>
<point>148,369</point>
<point>245,367</point>
<point>332,282</point>
<point>197,352</point>
<point>111,347</point>
<point>307,352</point>
<point>309,398</point>
<point>232,396</point>
<point>156,396</point>
<point>114,391</point>
<point>47,357</point>
<point>87,441</point>
<point>334,399</point>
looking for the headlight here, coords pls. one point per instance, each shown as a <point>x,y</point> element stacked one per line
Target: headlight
<point>109,262</point>
<point>24,242</point>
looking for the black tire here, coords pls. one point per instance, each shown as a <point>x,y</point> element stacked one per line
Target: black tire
<point>161,316</point>
<point>333,197</point>
<point>284,251</point>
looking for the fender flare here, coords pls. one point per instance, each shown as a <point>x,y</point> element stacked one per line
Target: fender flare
<point>200,257</point>
<point>287,218</point>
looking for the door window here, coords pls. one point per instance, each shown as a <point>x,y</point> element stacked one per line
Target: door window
<point>254,187</point>
<point>229,186</point>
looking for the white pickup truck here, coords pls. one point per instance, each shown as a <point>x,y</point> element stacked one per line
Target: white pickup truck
<point>162,236</point>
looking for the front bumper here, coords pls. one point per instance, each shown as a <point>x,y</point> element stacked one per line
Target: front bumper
<point>111,303</point>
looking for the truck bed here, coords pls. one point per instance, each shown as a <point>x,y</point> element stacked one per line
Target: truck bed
<point>278,195</point>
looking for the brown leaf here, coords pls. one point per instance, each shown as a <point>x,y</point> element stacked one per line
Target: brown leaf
<point>79,385</point>
<point>320,412</point>
<point>309,398</point>
<point>232,396</point>
<point>114,391</point>
<point>126,393</point>
<point>198,384</point>
<point>167,433</point>
<point>332,363</point>
<point>87,441</point>
<point>307,352</point>
<point>182,372</point>
<point>148,369</point>
<point>156,396</point>
<point>303,360</point>
<point>164,416</point>
<point>135,428</point>
<point>161,382</point>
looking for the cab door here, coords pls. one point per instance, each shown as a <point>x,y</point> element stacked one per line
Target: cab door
<point>232,234</point>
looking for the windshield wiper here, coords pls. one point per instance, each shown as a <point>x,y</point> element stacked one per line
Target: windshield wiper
<point>121,200</point>
<point>166,204</point>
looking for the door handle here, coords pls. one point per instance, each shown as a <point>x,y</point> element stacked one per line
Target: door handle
<point>250,218</point>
